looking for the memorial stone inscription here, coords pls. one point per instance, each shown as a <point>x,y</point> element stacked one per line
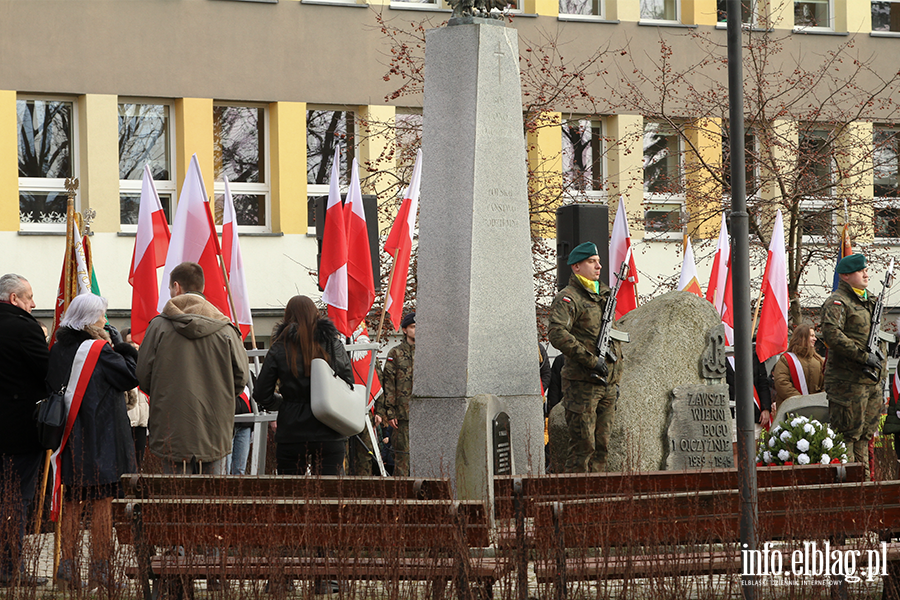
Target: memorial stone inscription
<point>700,428</point>
<point>501,444</point>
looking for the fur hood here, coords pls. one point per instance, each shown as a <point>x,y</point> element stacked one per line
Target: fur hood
<point>325,333</point>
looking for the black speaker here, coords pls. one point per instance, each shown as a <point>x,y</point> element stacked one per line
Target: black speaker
<point>370,207</point>
<point>576,224</point>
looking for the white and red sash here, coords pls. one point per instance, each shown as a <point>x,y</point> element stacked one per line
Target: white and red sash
<point>797,374</point>
<point>82,368</point>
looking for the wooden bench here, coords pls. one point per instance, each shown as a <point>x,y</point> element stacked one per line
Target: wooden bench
<point>516,497</point>
<point>647,535</point>
<point>312,528</point>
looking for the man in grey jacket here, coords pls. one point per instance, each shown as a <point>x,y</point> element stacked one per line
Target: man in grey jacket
<point>193,365</point>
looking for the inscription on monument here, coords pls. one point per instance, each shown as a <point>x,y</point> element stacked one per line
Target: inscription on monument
<point>700,426</point>
<point>501,444</point>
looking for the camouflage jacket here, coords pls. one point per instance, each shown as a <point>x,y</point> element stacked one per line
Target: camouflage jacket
<point>575,318</point>
<point>846,322</point>
<point>398,381</point>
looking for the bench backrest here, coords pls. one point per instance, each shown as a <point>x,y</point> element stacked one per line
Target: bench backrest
<point>283,486</point>
<point>570,486</point>
<point>275,523</point>
<point>815,512</point>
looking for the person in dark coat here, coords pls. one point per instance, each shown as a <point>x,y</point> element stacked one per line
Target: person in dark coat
<point>23,369</point>
<point>302,440</point>
<point>99,449</point>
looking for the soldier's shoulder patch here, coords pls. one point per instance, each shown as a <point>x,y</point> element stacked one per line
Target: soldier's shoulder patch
<point>838,302</point>
<point>566,299</point>
<point>390,358</point>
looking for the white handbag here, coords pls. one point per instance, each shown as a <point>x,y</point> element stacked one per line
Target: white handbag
<point>333,402</point>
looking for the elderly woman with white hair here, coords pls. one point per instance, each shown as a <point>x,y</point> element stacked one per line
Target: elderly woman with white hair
<point>97,447</point>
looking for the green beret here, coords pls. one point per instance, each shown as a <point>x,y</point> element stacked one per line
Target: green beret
<point>581,252</point>
<point>852,264</point>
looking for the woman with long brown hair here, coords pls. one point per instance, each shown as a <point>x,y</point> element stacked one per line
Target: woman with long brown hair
<point>302,441</point>
<point>800,370</point>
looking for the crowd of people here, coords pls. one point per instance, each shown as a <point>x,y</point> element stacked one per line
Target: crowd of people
<point>175,394</point>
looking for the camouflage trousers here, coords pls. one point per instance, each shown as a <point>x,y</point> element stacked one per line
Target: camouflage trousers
<point>853,411</point>
<point>400,445</point>
<point>854,408</point>
<point>361,460</point>
<point>590,409</point>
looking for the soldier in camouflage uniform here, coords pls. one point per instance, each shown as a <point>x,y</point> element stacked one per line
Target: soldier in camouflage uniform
<point>397,385</point>
<point>575,318</point>
<point>855,399</point>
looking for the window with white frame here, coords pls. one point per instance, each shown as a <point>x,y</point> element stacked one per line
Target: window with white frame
<point>816,166</point>
<point>145,138</point>
<point>886,166</point>
<point>816,14</point>
<point>660,10</point>
<point>47,152</point>
<point>663,185</point>
<point>582,158</point>
<point>240,154</point>
<point>587,8</point>
<point>748,11</point>
<point>886,15</point>
<point>326,130</point>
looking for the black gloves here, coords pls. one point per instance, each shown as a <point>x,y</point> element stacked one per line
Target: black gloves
<point>126,349</point>
<point>600,368</point>
<point>873,361</point>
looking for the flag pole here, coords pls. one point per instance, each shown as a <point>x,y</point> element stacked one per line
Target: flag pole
<point>384,305</point>
<point>215,237</point>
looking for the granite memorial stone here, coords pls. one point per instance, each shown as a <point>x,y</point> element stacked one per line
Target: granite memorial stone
<point>475,302</point>
<point>668,337</point>
<point>483,449</point>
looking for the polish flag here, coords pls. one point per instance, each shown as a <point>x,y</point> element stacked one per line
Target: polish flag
<point>234,265</point>
<point>772,335</point>
<point>728,324</point>
<point>399,244</point>
<point>333,265</point>
<point>150,247</point>
<point>716,289</point>
<point>688,280</point>
<point>619,243</point>
<point>361,361</point>
<point>194,239</point>
<point>360,283</point>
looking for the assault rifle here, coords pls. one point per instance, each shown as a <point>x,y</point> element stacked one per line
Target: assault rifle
<point>607,333</point>
<point>874,344</point>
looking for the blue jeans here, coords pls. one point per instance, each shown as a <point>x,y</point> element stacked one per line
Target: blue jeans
<point>240,450</point>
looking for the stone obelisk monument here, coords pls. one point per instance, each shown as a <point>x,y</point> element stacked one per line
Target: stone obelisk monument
<point>475,313</point>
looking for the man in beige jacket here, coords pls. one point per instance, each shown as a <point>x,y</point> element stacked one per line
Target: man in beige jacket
<point>193,365</point>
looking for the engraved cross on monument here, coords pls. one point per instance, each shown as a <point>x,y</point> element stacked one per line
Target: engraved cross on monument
<point>475,313</point>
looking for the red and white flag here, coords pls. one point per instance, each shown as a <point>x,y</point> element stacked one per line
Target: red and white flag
<point>772,335</point>
<point>194,239</point>
<point>399,244</point>
<point>234,265</point>
<point>688,281</point>
<point>728,323</point>
<point>360,283</point>
<point>715,291</point>
<point>361,361</point>
<point>150,247</point>
<point>619,243</point>
<point>333,264</point>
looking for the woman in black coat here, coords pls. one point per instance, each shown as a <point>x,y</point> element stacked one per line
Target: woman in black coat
<point>302,440</point>
<point>98,449</point>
